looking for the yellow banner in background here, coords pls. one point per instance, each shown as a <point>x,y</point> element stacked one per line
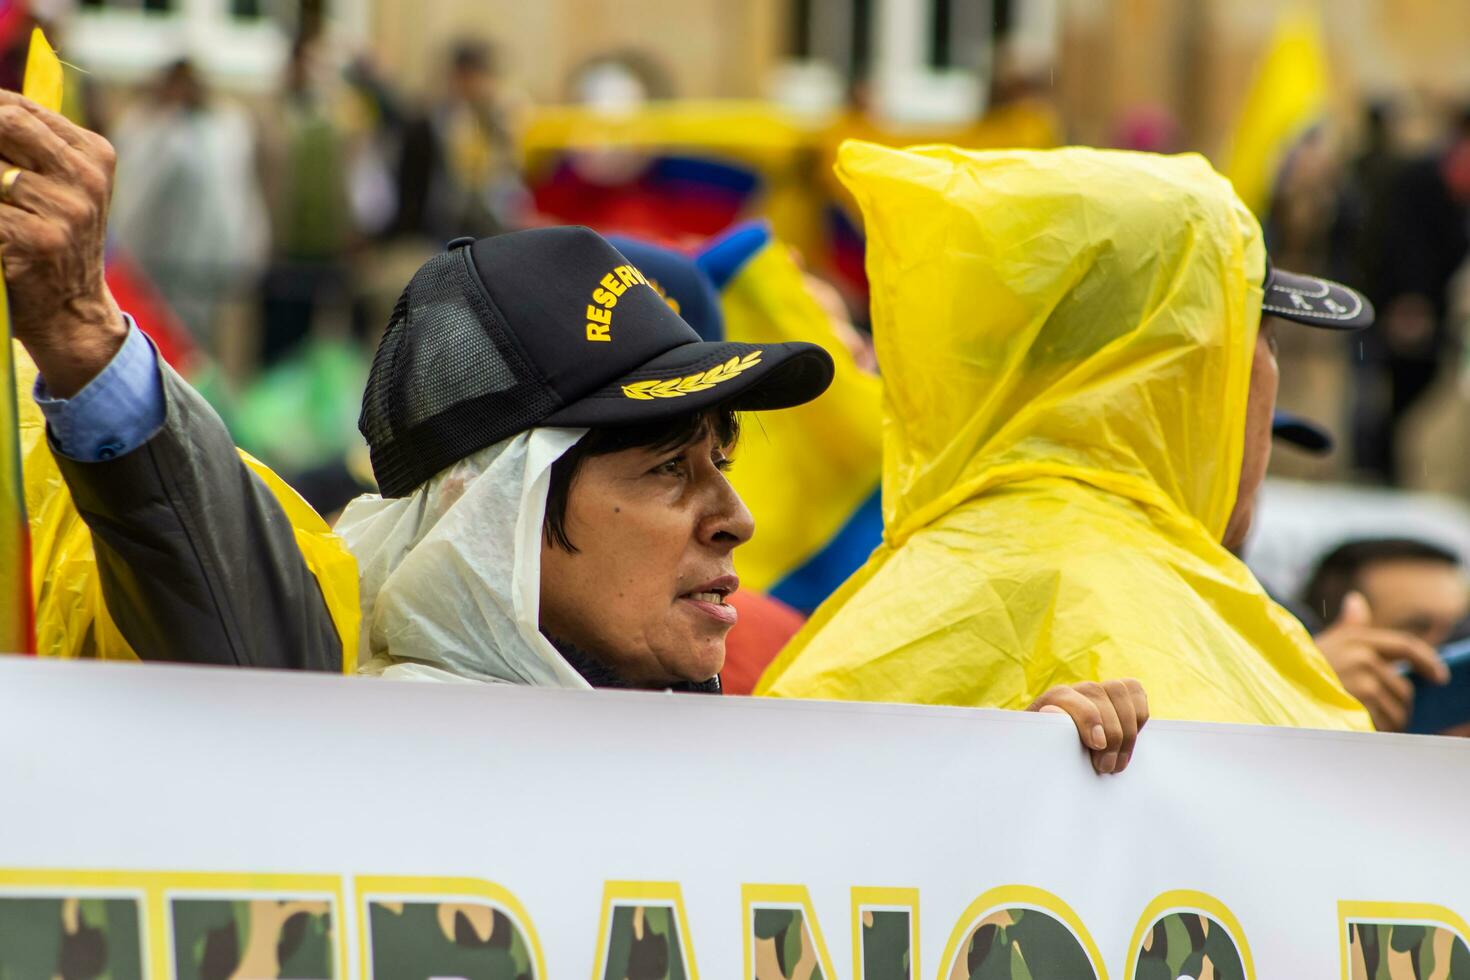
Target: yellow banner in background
<point>1287,98</point>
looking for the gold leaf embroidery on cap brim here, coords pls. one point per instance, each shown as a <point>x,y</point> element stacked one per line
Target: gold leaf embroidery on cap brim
<point>703,381</point>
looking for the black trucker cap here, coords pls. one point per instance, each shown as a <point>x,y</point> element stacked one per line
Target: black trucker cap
<point>549,327</point>
<point>1314,301</point>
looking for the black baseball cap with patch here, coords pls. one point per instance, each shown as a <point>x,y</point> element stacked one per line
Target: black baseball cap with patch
<point>1314,301</point>
<point>549,327</point>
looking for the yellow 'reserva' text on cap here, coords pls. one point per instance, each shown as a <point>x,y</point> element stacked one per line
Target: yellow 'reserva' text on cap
<point>605,297</point>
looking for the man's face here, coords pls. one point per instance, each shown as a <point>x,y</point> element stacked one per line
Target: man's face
<point>472,83</point>
<point>1260,407</point>
<point>644,592</point>
<point>1424,598</point>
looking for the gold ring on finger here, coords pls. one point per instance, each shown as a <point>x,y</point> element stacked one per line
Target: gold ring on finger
<point>7,183</point>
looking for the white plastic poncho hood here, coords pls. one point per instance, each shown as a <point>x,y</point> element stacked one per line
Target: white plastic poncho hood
<point>451,573</point>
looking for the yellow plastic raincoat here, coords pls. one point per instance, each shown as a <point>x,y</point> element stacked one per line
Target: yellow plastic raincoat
<point>1066,340</point>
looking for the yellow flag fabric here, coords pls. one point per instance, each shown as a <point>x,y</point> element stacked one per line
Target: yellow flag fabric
<point>42,84</point>
<point>15,549</point>
<point>1066,340</point>
<point>44,81</point>
<point>802,471</point>
<point>71,618</point>
<point>1287,97</point>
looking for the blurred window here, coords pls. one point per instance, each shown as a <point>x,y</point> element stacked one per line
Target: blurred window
<point>238,44</point>
<point>941,35</point>
<point>961,33</point>
<point>801,30</point>
<point>835,32</point>
<point>918,61</point>
<point>153,6</point>
<point>861,40</point>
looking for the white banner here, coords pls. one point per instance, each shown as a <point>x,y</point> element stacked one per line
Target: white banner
<point>181,822</point>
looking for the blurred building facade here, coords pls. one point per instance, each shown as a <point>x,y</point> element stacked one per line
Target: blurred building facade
<point>1100,58</point>
<point>1154,74</point>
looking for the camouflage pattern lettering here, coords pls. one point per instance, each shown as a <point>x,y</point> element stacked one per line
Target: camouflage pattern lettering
<point>886,938</point>
<point>784,949</point>
<point>643,944</point>
<point>471,941</point>
<point>1188,945</point>
<point>230,939</point>
<point>1381,951</point>
<point>1021,944</point>
<point>71,938</point>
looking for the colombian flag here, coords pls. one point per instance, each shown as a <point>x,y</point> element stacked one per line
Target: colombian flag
<point>43,84</point>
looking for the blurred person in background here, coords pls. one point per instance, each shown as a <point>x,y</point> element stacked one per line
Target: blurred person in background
<point>1149,129</point>
<point>1300,220</point>
<point>375,126</point>
<point>306,179</point>
<point>1387,603</point>
<point>1414,238</point>
<point>1410,586</point>
<point>1363,197</point>
<point>619,81</point>
<point>459,172</point>
<point>1366,651</point>
<point>187,202</point>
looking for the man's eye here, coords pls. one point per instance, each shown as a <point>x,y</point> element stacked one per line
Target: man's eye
<point>670,467</point>
<point>724,463</point>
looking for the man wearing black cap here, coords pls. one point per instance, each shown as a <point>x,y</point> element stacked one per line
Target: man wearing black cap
<point>550,329</point>
<point>538,381</point>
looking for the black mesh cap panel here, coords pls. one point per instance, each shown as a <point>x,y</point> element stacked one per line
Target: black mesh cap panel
<point>448,379</point>
<point>542,327</point>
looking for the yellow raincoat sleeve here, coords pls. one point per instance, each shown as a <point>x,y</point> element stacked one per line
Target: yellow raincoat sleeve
<point>70,616</point>
<point>1066,340</point>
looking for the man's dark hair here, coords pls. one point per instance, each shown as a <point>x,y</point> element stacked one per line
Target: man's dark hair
<point>472,56</point>
<point>1340,570</point>
<point>661,436</point>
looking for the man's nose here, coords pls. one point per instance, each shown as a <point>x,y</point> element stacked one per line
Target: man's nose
<point>729,522</point>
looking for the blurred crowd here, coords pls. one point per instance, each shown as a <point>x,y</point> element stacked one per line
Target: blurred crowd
<point>303,209</point>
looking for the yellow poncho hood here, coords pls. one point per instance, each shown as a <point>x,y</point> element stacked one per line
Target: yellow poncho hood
<point>1066,341</point>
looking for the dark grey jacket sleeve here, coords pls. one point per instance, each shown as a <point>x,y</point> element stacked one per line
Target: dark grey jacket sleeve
<point>199,564</point>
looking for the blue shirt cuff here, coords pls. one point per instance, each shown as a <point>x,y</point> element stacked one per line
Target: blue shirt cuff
<point>116,412</point>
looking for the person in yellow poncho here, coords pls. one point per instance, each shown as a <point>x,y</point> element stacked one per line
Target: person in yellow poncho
<point>1078,389</point>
